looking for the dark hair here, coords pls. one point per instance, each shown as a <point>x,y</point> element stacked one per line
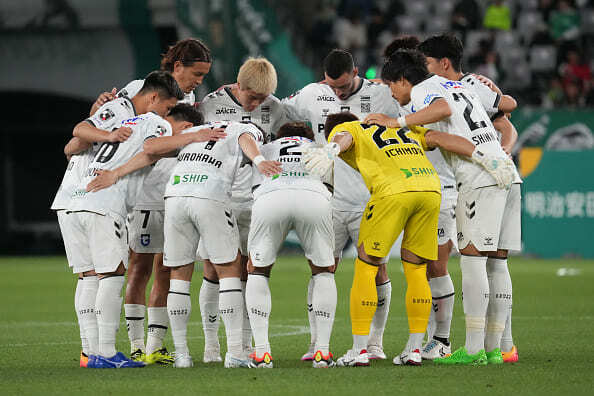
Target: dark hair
<point>408,64</point>
<point>338,62</point>
<point>162,82</point>
<point>337,118</point>
<point>442,46</point>
<point>187,51</point>
<point>186,112</point>
<point>295,129</point>
<point>406,41</point>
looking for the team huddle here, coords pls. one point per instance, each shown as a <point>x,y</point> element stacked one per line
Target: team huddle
<point>156,181</point>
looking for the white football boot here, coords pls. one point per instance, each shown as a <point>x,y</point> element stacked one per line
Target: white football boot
<point>183,360</point>
<point>309,355</point>
<point>354,358</point>
<point>236,361</point>
<point>408,358</point>
<point>435,349</point>
<point>375,352</point>
<point>212,354</point>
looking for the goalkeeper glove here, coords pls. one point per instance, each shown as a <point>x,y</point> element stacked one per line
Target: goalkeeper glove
<point>502,169</point>
<point>319,160</point>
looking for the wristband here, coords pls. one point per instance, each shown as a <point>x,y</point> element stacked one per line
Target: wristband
<point>402,121</point>
<point>258,159</point>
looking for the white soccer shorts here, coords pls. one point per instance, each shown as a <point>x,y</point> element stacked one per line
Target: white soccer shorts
<point>346,225</point>
<point>446,224</point>
<point>188,220</point>
<point>65,221</point>
<point>243,216</point>
<point>489,217</point>
<point>275,213</point>
<point>145,229</point>
<point>99,242</point>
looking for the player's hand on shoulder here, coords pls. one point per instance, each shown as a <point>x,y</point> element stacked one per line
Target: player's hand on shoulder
<point>269,168</point>
<point>119,135</point>
<point>501,168</point>
<point>485,80</point>
<point>207,134</point>
<point>104,179</point>
<point>381,119</point>
<point>105,97</point>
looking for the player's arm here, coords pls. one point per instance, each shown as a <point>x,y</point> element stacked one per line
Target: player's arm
<point>507,103</point>
<point>344,140</point>
<point>319,160</point>
<point>106,178</point>
<point>166,145</point>
<point>509,134</point>
<point>75,146</point>
<point>436,111</point>
<point>90,133</point>
<point>249,146</point>
<point>102,99</point>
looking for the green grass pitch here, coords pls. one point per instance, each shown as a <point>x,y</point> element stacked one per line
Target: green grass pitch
<point>553,327</point>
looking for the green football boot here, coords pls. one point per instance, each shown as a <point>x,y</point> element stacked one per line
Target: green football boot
<point>495,357</point>
<point>461,356</point>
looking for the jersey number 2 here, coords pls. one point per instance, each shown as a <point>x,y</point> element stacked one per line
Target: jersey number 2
<point>467,111</point>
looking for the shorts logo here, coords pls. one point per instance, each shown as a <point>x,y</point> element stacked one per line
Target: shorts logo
<point>460,237</point>
<point>145,239</point>
<point>488,241</point>
<point>440,232</point>
<point>470,211</point>
<point>376,246</point>
<point>370,214</point>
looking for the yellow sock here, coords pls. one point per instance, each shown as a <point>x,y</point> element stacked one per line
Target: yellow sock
<point>363,297</point>
<point>418,297</point>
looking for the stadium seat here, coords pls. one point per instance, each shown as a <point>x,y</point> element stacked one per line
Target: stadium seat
<point>529,22</point>
<point>518,77</point>
<point>504,40</point>
<point>587,17</point>
<point>437,24</point>
<point>528,4</point>
<point>543,58</point>
<point>417,8</point>
<point>472,41</point>
<point>513,56</point>
<point>443,8</point>
<point>407,24</point>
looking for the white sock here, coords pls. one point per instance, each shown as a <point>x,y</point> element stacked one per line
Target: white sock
<point>415,341</point>
<point>259,304</point>
<point>230,309</point>
<point>378,325</point>
<point>86,312</point>
<point>360,342</point>
<point>500,299</point>
<point>179,308</point>
<point>158,321</point>
<point>442,292</point>
<point>246,330</point>
<point>108,308</point>
<point>324,306</point>
<point>475,291</point>
<point>310,313</point>
<point>83,338</point>
<point>507,341</point>
<point>209,309</point>
<point>134,314</point>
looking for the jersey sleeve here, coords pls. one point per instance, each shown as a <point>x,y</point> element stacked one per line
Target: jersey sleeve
<point>388,105</point>
<point>423,95</point>
<point>108,116</point>
<point>349,155</point>
<point>488,98</point>
<point>207,107</point>
<point>131,89</point>
<point>418,134</point>
<point>295,106</point>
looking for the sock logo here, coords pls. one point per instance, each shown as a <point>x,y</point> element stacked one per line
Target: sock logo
<point>322,314</point>
<point>177,312</point>
<point>226,311</point>
<point>259,313</point>
<point>212,318</point>
<point>381,302</point>
<point>309,307</point>
<point>421,300</point>
<point>369,303</point>
<point>435,308</point>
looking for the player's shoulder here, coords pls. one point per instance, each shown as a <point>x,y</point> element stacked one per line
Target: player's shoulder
<point>374,88</point>
<point>238,128</point>
<point>315,88</point>
<point>131,89</point>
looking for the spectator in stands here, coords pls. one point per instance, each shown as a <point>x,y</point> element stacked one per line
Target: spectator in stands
<point>321,36</point>
<point>351,35</point>
<point>545,7</point>
<point>565,22</point>
<point>576,76</point>
<point>497,16</point>
<point>377,24</point>
<point>466,15</point>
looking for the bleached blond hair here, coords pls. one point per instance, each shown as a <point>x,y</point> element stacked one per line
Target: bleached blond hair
<point>258,75</point>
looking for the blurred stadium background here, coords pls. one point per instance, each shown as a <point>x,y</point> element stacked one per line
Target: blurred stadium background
<point>58,55</point>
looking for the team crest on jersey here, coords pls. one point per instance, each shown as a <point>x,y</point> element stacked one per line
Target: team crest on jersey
<point>145,239</point>
<point>106,115</point>
<point>161,130</point>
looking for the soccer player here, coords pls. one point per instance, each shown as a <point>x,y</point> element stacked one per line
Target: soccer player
<point>405,197</point>
<point>444,57</point>
<point>291,200</point>
<point>488,219</point>
<point>80,155</point>
<point>197,207</point>
<point>99,216</point>
<point>188,61</point>
<point>250,99</point>
<point>343,90</point>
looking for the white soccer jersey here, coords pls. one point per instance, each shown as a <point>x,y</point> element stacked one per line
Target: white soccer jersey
<point>445,172</point>
<point>314,102</point>
<point>135,86</point>
<point>121,197</point>
<point>489,98</point>
<point>208,169</point>
<point>221,105</point>
<point>108,117</point>
<point>294,176</point>
<point>468,120</point>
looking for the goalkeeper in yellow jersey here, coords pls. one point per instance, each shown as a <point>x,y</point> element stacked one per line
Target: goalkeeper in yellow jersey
<point>405,196</point>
